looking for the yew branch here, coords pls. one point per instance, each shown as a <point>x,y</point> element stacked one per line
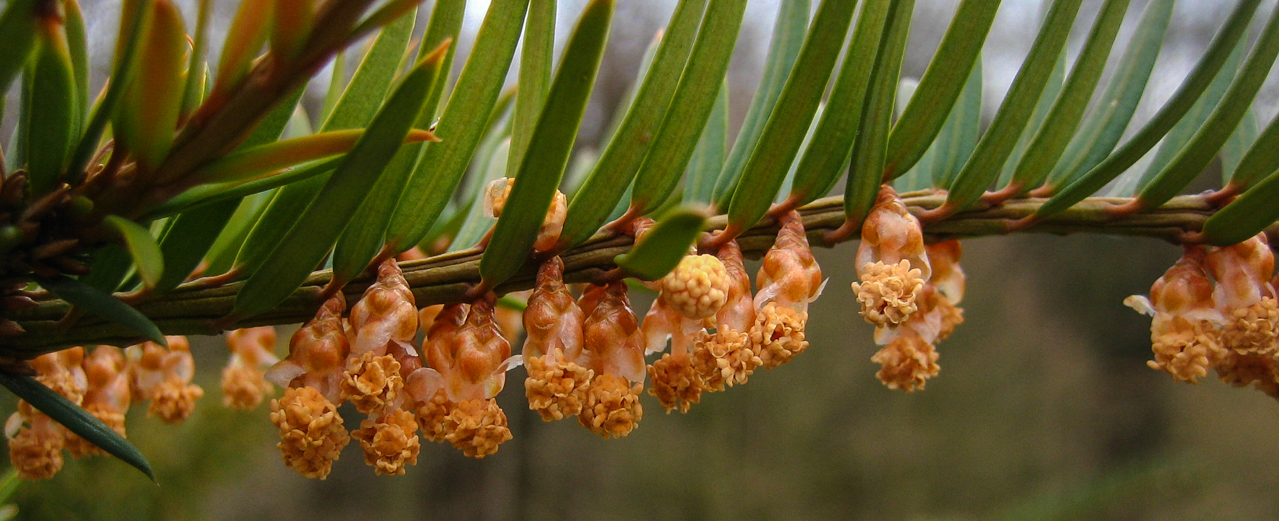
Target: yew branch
<point>195,310</point>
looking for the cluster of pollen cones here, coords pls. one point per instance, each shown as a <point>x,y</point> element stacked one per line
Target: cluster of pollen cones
<point>435,372</point>
<point>107,380</point>
<point>1216,309</point>
<point>908,290</point>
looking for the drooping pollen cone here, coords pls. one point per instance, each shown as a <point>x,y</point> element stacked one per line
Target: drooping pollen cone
<point>697,288</point>
<point>788,281</point>
<point>317,353</point>
<point>467,362</point>
<point>384,313</point>
<point>1185,332</point>
<point>243,379</point>
<point>557,382</point>
<point>311,431</point>
<point>164,376</point>
<point>615,349</point>
<point>1245,296</point>
<point>891,262</point>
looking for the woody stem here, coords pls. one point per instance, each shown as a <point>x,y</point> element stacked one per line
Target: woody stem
<point>194,309</point>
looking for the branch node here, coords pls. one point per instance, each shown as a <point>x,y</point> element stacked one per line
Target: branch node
<point>1223,196</point>
<point>478,291</point>
<point>947,209</point>
<point>792,202</point>
<point>842,233</point>
<point>335,285</point>
<point>621,225</point>
<point>225,323</point>
<point>1192,238</point>
<point>718,239</point>
<point>1016,225</point>
<point>1119,211</point>
<point>610,276</point>
<point>998,197</point>
<point>215,281</point>
<point>1045,191</point>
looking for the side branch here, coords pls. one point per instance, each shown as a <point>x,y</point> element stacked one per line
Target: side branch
<point>191,310</point>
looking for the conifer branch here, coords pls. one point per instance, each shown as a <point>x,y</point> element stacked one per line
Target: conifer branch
<point>193,310</point>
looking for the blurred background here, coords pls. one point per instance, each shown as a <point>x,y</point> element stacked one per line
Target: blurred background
<point>1044,408</point>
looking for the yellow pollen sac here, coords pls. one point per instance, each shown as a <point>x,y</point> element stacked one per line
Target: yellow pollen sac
<point>372,381</point>
<point>676,382</point>
<point>432,414</point>
<point>1254,329</point>
<point>1188,351</point>
<point>390,443</point>
<point>80,447</point>
<point>1243,370</point>
<point>698,287</point>
<point>64,383</point>
<point>908,362</point>
<point>311,432</point>
<point>887,292</point>
<point>36,453</point>
<point>612,407</point>
<point>951,316</point>
<point>724,359</point>
<point>778,334</point>
<point>477,428</point>
<point>174,400</point>
<point>243,387</point>
<point>555,388</point>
